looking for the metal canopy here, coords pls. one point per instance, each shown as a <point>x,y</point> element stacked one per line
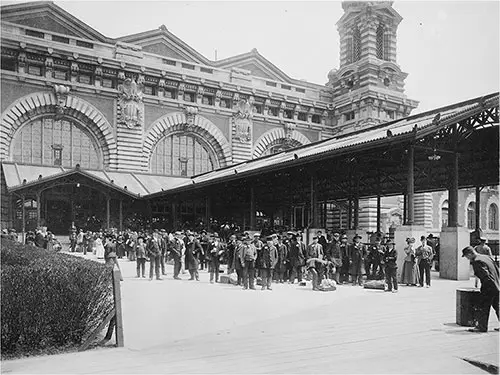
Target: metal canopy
<point>365,164</point>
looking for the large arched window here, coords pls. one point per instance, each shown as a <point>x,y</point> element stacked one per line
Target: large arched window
<point>182,155</point>
<point>471,215</point>
<point>493,217</point>
<point>444,214</point>
<point>383,42</point>
<point>47,141</point>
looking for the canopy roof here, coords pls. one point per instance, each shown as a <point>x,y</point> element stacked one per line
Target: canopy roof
<point>22,177</point>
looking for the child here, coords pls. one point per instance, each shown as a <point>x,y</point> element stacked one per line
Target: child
<point>140,252</point>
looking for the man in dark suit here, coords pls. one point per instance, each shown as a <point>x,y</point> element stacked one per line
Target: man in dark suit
<point>487,271</point>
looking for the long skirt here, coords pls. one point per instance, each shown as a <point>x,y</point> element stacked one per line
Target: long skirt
<point>99,251</point>
<point>409,275</point>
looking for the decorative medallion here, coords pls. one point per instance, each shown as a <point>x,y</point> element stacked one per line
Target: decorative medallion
<point>190,113</point>
<point>61,92</point>
<point>130,104</point>
<point>289,128</point>
<point>242,120</point>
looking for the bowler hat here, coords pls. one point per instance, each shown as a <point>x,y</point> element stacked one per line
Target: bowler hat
<point>389,242</point>
<point>344,237</point>
<point>357,236</point>
<point>482,238</point>
<point>410,240</point>
<point>269,238</point>
<point>216,235</point>
<point>256,234</point>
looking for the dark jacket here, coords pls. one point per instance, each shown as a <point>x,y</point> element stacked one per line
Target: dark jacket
<point>357,256</point>
<point>334,253</point>
<point>487,271</point>
<point>153,249</point>
<point>193,253</point>
<point>390,257</point>
<point>296,254</point>
<point>267,257</point>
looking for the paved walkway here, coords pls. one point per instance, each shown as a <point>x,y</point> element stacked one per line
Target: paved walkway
<point>185,326</point>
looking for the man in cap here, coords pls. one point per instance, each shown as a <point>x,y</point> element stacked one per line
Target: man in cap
<point>389,258</point>
<point>487,271</point>
<point>193,253</point>
<point>424,256</point>
<point>357,256</point>
<point>281,261</point>
<point>314,262</point>
<point>216,251</point>
<point>321,239</point>
<point>248,255</point>
<point>235,242</point>
<point>267,258</point>
<point>205,244</point>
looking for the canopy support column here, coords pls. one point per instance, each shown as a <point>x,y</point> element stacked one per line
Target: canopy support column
<point>121,215</point>
<point>453,195</point>
<point>108,218</point>
<point>478,209</point>
<point>207,212</point>
<point>38,209</point>
<point>252,208</point>
<point>411,187</point>
<point>313,220</point>
<point>23,218</point>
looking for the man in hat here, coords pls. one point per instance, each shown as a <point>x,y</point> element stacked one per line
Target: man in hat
<point>205,244</point>
<point>374,269</point>
<point>177,250</point>
<point>267,258</point>
<point>344,252</point>
<point>314,262</point>
<point>193,253</point>
<point>281,261</point>
<point>297,255</point>
<point>487,271</point>
<point>357,256</point>
<point>153,251</point>
<point>248,255</point>
<point>482,248</point>
<point>235,242</point>
<point>424,256</point>
<point>321,239</point>
<point>334,255</point>
<point>216,251</point>
<point>389,258</point>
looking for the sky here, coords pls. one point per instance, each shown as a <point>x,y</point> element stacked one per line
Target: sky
<point>450,49</point>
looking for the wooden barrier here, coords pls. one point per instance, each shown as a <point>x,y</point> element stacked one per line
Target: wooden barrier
<point>114,318</point>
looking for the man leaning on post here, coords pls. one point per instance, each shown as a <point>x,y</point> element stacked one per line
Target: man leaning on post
<point>487,271</point>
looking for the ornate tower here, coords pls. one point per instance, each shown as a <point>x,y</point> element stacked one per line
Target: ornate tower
<point>368,88</point>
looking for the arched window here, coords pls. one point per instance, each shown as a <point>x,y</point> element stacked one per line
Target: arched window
<point>383,42</point>
<point>356,39</point>
<point>349,50</point>
<point>471,215</point>
<point>444,214</point>
<point>47,141</point>
<point>493,217</point>
<point>182,155</point>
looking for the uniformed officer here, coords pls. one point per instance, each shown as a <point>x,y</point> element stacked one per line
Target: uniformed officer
<point>390,256</point>
<point>357,255</point>
<point>344,251</point>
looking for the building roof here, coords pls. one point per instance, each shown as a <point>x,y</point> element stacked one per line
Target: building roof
<point>22,176</point>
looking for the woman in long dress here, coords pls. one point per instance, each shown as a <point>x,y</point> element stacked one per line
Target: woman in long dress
<point>409,274</point>
<point>99,248</point>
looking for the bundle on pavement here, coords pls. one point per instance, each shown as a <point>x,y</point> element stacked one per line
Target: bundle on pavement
<point>374,284</point>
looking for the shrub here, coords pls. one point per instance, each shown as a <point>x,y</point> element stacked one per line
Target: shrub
<point>50,300</point>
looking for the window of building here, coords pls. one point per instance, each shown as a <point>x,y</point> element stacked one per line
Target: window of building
<point>349,50</point>
<point>288,114</point>
<point>444,214</point>
<point>182,155</point>
<point>57,154</point>
<point>60,74</point>
<point>316,119</point>
<point>35,70</point>
<point>258,108</point>
<point>37,141</point>
<point>8,64</point>
<point>390,115</point>
<point>107,82</point>
<point>86,79</point>
<point>189,97</point>
<point>273,111</point>
<point>356,41</point>
<point>208,100</point>
<point>471,215</point>
<point>493,217</point>
<point>349,116</point>
<point>225,103</point>
<point>302,116</point>
<point>380,41</point>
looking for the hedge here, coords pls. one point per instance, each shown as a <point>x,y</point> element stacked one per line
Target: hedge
<point>50,301</point>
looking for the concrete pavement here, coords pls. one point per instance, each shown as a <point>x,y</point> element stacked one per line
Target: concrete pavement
<point>185,326</point>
